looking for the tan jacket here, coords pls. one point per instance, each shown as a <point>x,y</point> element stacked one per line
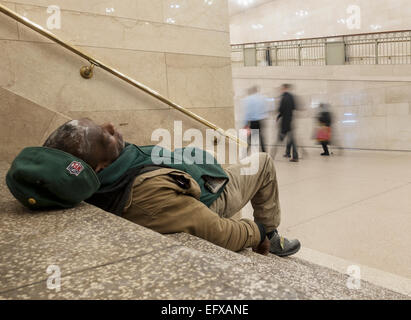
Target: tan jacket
<point>159,203</point>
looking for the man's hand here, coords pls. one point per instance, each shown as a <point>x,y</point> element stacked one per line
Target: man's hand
<point>264,247</point>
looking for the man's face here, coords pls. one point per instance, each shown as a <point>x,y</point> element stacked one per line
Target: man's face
<point>107,143</point>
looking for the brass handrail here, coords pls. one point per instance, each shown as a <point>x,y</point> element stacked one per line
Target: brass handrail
<point>116,73</point>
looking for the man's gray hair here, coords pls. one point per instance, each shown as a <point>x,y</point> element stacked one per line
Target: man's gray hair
<point>72,137</point>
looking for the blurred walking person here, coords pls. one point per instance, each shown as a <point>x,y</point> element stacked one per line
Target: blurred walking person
<point>255,112</point>
<point>286,111</point>
<point>324,119</point>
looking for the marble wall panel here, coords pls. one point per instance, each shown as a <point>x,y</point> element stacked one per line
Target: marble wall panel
<point>199,82</point>
<point>398,94</point>
<point>86,29</point>
<point>210,14</point>
<point>399,132</point>
<point>22,124</point>
<point>148,10</point>
<point>49,76</point>
<point>8,28</point>
<point>397,109</point>
<point>149,68</point>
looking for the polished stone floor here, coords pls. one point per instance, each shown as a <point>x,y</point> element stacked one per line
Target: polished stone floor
<point>354,205</point>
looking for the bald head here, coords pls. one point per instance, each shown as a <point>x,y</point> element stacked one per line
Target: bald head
<point>97,145</point>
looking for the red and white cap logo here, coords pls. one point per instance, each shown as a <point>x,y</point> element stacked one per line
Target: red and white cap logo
<point>75,168</point>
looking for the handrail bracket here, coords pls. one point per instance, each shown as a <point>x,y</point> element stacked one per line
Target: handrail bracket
<point>87,72</point>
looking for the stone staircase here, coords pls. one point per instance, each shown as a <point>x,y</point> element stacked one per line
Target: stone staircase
<point>313,281</point>
<point>101,256</point>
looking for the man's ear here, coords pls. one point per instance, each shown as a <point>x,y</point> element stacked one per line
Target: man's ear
<point>100,167</point>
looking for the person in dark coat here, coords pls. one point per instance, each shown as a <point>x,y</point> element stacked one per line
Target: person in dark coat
<point>324,133</point>
<point>286,110</point>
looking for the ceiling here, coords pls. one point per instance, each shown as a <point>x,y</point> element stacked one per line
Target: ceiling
<point>237,6</point>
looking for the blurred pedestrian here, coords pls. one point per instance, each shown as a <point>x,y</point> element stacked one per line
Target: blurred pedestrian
<point>324,131</point>
<point>255,105</point>
<point>286,111</point>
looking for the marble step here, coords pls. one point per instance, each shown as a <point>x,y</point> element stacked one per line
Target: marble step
<point>313,281</point>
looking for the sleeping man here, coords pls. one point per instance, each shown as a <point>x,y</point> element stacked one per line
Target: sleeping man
<point>177,195</point>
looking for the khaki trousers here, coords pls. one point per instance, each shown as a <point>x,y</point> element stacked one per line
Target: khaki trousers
<point>261,188</point>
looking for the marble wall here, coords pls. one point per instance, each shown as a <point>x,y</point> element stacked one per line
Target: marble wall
<point>179,48</point>
<point>371,105</point>
<point>294,19</point>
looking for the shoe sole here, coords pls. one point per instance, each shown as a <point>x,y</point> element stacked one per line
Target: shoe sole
<point>290,253</point>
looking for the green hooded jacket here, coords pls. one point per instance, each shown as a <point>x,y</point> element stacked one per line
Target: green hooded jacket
<point>196,162</point>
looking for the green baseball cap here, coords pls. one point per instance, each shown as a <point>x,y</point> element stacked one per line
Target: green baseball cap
<point>42,178</point>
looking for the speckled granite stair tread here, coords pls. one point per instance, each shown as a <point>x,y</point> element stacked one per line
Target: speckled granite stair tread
<point>312,280</point>
<point>4,191</point>
<point>174,273</point>
<point>76,240</point>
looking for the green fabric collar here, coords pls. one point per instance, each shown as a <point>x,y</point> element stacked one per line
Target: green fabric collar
<point>181,159</point>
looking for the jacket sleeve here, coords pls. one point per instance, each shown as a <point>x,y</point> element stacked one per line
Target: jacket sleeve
<point>280,109</point>
<point>293,103</point>
<point>161,205</point>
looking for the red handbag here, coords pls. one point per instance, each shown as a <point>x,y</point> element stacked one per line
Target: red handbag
<point>324,133</point>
